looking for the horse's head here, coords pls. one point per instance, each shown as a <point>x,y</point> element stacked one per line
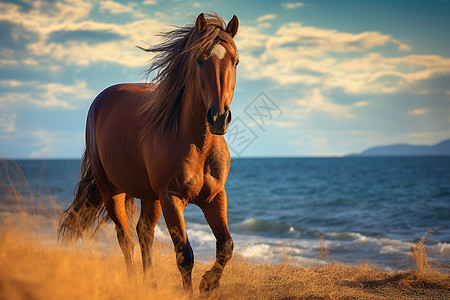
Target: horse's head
<point>217,75</point>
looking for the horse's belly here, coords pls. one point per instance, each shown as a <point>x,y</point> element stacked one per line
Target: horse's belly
<point>131,180</point>
<point>124,167</point>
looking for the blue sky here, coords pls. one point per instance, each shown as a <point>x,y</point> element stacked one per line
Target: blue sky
<point>338,76</point>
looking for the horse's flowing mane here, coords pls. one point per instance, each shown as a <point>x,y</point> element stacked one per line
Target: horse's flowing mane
<point>176,66</point>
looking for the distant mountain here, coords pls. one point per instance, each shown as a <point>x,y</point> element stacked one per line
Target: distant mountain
<point>442,148</point>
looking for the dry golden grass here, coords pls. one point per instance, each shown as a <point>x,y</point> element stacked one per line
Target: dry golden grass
<point>33,268</point>
<point>418,255</point>
<point>323,249</point>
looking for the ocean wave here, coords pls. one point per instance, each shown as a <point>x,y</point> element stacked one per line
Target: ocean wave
<point>393,250</point>
<point>442,248</point>
<point>272,228</point>
<point>359,238</point>
<point>201,236</point>
<point>277,242</point>
<point>257,251</point>
<point>254,244</point>
<point>276,253</point>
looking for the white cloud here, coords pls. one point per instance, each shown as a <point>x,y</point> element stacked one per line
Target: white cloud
<point>48,94</point>
<point>293,5</point>
<point>64,96</point>
<point>312,56</point>
<point>285,124</point>
<point>149,2</point>
<point>8,62</point>
<point>417,112</point>
<point>437,135</point>
<point>46,143</point>
<point>266,17</point>
<point>52,143</point>
<point>71,16</point>
<point>11,83</point>
<point>8,99</point>
<point>329,40</point>
<point>374,73</point>
<point>116,8</point>
<point>44,15</point>
<point>41,143</point>
<point>7,122</point>
<point>316,142</point>
<point>316,101</point>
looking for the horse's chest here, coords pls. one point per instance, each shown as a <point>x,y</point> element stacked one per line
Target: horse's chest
<point>199,181</point>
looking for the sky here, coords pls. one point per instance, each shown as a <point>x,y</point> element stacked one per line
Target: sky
<point>316,77</point>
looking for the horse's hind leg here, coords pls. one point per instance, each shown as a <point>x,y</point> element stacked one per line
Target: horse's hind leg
<point>115,205</point>
<point>150,214</point>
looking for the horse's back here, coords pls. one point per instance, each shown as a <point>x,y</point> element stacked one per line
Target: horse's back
<point>113,130</point>
<point>115,111</point>
<point>130,95</point>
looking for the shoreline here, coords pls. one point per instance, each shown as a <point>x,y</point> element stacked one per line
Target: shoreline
<point>43,223</point>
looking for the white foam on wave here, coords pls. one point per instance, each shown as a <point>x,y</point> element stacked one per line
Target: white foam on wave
<point>254,225</point>
<point>442,248</point>
<point>202,236</point>
<point>258,248</point>
<point>393,250</point>
<point>359,238</point>
<point>257,251</point>
<point>278,253</point>
<point>249,221</point>
<point>253,247</point>
<point>347,247</point>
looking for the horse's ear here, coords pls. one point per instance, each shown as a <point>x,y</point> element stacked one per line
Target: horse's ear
<point>232,27</point>
<point>201,24</point>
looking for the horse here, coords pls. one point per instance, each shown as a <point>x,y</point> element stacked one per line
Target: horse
<point>163,143</point>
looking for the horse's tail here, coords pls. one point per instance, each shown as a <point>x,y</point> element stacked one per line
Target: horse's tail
<point>87,211</point>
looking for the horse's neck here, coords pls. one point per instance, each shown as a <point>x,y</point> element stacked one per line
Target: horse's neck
<point>193,126</point>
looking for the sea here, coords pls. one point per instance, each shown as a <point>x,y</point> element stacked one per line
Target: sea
<point>350,210</point>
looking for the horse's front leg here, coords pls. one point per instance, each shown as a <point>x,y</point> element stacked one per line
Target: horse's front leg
<point>216,216</point>
<point>173,210</point>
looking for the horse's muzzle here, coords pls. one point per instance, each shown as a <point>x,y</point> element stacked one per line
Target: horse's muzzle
<point>218,121</point>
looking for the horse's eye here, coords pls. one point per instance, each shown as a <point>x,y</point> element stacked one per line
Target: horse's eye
<point>236,63</point>
<point>200,61</point>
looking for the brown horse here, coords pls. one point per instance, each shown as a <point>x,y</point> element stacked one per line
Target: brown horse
<point>163,143</point>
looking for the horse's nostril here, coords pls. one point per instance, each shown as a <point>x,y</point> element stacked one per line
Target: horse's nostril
<point>228,119</point>
<point>209,117</point>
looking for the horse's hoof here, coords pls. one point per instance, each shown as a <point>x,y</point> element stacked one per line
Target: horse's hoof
<point>210,282</point>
